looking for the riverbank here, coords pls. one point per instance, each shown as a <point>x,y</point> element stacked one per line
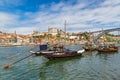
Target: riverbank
<point>51,43</point>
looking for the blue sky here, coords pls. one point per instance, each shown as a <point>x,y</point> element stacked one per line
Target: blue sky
<point>26,16</point>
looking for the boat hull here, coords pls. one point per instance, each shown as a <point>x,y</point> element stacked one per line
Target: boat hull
<point>106,51</point>
<point>61,55</point>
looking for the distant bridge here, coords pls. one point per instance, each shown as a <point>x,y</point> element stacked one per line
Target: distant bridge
<point>102,32</point>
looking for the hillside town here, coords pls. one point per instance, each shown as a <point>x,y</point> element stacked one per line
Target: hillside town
<point>52,36</point>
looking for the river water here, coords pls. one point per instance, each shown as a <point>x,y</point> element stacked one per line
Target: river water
<point>91,66</point>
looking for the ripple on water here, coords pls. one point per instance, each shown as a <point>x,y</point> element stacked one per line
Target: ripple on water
<point>92,66</point>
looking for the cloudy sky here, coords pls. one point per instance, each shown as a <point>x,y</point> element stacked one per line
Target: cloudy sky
<point>26,16</point>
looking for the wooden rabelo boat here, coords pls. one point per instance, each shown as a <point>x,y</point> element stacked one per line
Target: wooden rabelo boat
<point>62,55</point>
<point>89,47</point>
<point>106,49</point>
<point>60,52</point>
<point>55,54</point>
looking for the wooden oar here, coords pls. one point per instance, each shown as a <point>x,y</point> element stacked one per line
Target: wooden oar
<point>10,57</point>
<point>8,65</point>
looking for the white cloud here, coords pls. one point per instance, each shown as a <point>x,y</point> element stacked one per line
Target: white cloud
<point>74,14</point>
<point>24,30</point>
<point>7,19</point>
<point>111,3</point>
<point>78,19</point>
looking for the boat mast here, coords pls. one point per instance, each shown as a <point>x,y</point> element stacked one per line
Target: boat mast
<point>65,31</point>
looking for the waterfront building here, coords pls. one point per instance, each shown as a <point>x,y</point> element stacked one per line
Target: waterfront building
<point>53,31</point>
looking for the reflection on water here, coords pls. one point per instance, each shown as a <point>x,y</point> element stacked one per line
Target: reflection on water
<point>92,66</point>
